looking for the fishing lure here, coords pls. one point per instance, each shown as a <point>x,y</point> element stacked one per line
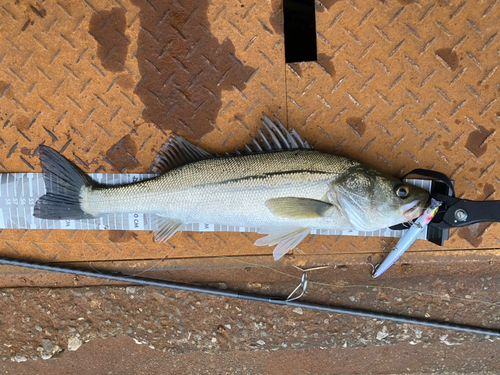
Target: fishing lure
<point>409,237</point>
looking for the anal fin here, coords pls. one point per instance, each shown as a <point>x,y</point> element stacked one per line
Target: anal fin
<point>166,228</point>
<point>287,238</point>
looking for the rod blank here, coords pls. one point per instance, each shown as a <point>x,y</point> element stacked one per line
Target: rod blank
<point>248,296</point>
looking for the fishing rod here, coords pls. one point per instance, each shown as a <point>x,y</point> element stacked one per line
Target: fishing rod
<point>293,302</point>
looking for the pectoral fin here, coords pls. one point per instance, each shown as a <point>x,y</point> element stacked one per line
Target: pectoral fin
<point>166,228</point>
<point>287,239</point>
<point>298,208</point>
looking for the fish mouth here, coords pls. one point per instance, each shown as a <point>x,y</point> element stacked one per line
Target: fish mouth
<point>412,210</point>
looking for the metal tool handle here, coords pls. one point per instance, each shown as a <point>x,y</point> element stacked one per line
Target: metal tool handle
<point>465,212</point>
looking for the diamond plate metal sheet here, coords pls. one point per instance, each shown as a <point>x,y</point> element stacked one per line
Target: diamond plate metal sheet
<point>398,84</point>
<point>403,85</point>
<point>106,82</point>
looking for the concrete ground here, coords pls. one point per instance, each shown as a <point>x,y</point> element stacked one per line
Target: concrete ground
<point>130,329</point>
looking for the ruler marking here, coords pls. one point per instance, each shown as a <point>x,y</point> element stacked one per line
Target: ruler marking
<point>30,184</point>
<point>18,223</point>
<point>10,218</point>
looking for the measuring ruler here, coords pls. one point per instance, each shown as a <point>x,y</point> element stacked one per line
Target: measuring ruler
<point>20,191</point>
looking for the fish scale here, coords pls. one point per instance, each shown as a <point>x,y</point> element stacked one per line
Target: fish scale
<point>231,189</point>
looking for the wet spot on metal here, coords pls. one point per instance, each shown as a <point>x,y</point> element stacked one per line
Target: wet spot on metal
<point>122,154</point>
<point>108,29</point>
<point>449,56</point>
<point>488,191</point>
<point>22,122</point>
<point>5,90</point>
<point>326,4</point>
<point>184,67</point>
<point>473,233</point>
<point>296,68</point>
<point>476,141</point>
<point>327,64</point>
<point>126,82</point>
<point>276,17</point>
<point>118,236</point>
<point>356,124</point>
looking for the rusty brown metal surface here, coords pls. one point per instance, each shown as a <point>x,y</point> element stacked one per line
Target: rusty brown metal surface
<point>106,82</point>
<point>404,85</point>
<point>397,84</point>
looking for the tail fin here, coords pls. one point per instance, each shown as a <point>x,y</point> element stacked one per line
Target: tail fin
<point>63,183</point>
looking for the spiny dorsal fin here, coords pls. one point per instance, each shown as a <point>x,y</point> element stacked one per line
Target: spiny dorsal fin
<point>273,136</point>
<point>175,153</point>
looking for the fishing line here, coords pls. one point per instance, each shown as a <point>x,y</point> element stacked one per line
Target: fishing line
<point>89,262</point>
<point>250,296</point>
<point>440,296</point>
<point>365,286</point>
<point>172,247</point>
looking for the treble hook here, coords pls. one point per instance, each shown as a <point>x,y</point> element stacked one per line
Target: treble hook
<point>303,284</point>
<point>374,268</point>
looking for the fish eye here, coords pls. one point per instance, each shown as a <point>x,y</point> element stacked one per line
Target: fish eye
<point>401,190</point>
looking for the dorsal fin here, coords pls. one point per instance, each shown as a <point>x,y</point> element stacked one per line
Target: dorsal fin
<point>175,153</point>
<point>273,136</point>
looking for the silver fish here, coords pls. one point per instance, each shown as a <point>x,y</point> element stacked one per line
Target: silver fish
<point>278,183</point>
